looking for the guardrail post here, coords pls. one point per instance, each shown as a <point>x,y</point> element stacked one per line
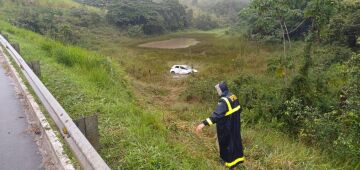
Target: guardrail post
<point>35,67</point>
<point>6,37</point>
<point>16,46</point>
<point>89,127</point>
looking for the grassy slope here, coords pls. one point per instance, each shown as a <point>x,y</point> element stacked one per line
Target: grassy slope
<point>155,135</point>
<point>158,91</point>
<point>127,132</point>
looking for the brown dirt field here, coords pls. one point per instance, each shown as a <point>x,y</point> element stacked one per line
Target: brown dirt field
<point>175,43</point>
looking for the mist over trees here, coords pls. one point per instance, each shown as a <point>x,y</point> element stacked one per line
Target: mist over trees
<point>218,13</point>
<point>160,16</point>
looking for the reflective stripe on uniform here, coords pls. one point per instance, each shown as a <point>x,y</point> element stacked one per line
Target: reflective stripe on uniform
<point>230,109</point>
<point>230,164</point>
<point>208,120</point>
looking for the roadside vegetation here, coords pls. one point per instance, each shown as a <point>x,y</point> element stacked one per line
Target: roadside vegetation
<point>299,85</point>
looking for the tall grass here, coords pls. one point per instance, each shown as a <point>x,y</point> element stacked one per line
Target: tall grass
<point>135,134</point>
<point>86,83</point>
<point>217,57</point>
<point>98,69</point>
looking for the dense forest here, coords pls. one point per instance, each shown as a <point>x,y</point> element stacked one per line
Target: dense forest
<point>294,64</point>
<point>151,17</point>
<point>134,17</point>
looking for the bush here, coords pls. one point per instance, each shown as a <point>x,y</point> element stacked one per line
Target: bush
<point>83,17</point>
<point>201,89</point>
<point>354,84</point>
<point>262,101</point>
<point>135,30</point>
<point>56,23</point>
<point>330,55</point>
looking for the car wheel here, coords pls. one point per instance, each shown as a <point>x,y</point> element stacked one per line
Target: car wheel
<point>172,72</point>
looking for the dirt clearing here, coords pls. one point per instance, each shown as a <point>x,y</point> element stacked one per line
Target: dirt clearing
<point>174,43</point>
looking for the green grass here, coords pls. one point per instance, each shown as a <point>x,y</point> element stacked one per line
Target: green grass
<point>269,149</point>
<point>127,132</point>
<point>146,122</point>
<point>136,136</point>
<point>217,55</point>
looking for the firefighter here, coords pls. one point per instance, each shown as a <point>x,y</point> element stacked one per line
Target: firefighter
<point>227,119</point>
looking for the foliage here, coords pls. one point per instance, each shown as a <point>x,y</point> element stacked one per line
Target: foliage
<point>319,12</point>
<point>344,26</point>
<point>331,20</point>
<point>205,22</point>
<point>56,23</point>
<point>254,98</point>
<point>224,12</point>
<point>227,11</point>
<point>311,107</point>
<point>155,18</point>
<point>354,84</point>
<point>271,20</point>
<point>196,90</point>
<point>97,3</point>
<point>82,17</point>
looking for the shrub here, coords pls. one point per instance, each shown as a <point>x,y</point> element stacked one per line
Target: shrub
<point>330,55</point>
<point>83,17</point>
<point>354,84</point>
<point>135,30</point>
<point>56,23</point>
<point>201,89</point>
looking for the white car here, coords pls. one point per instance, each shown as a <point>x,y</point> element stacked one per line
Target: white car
<point>182,69</point>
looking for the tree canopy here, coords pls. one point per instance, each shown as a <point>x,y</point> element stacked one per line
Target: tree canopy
<point>332,20</point>
<point>154,18</point>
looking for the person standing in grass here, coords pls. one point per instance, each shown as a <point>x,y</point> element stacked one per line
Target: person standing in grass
<point>227,119</point>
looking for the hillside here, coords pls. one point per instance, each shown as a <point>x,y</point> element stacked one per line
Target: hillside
<point>147,117</point>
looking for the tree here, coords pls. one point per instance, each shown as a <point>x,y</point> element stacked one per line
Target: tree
<point>227,11</point>
<point>320,12</point>
<point>167,15</point>
<point>354,84</point>
<point>344,26</point>
<point>274,19</point>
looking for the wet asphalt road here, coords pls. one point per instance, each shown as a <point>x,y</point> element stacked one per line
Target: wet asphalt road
<point>18,150</point>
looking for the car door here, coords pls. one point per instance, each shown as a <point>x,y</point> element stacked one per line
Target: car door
<point>177,69</point>
<point>183,70</point>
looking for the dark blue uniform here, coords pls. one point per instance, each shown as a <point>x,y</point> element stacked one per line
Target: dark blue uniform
<point>228,126</point>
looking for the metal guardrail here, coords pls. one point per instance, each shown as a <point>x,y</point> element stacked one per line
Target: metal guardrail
<point>79,145</point>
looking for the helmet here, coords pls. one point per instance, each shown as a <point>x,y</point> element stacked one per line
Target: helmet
<point>221,88</point>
